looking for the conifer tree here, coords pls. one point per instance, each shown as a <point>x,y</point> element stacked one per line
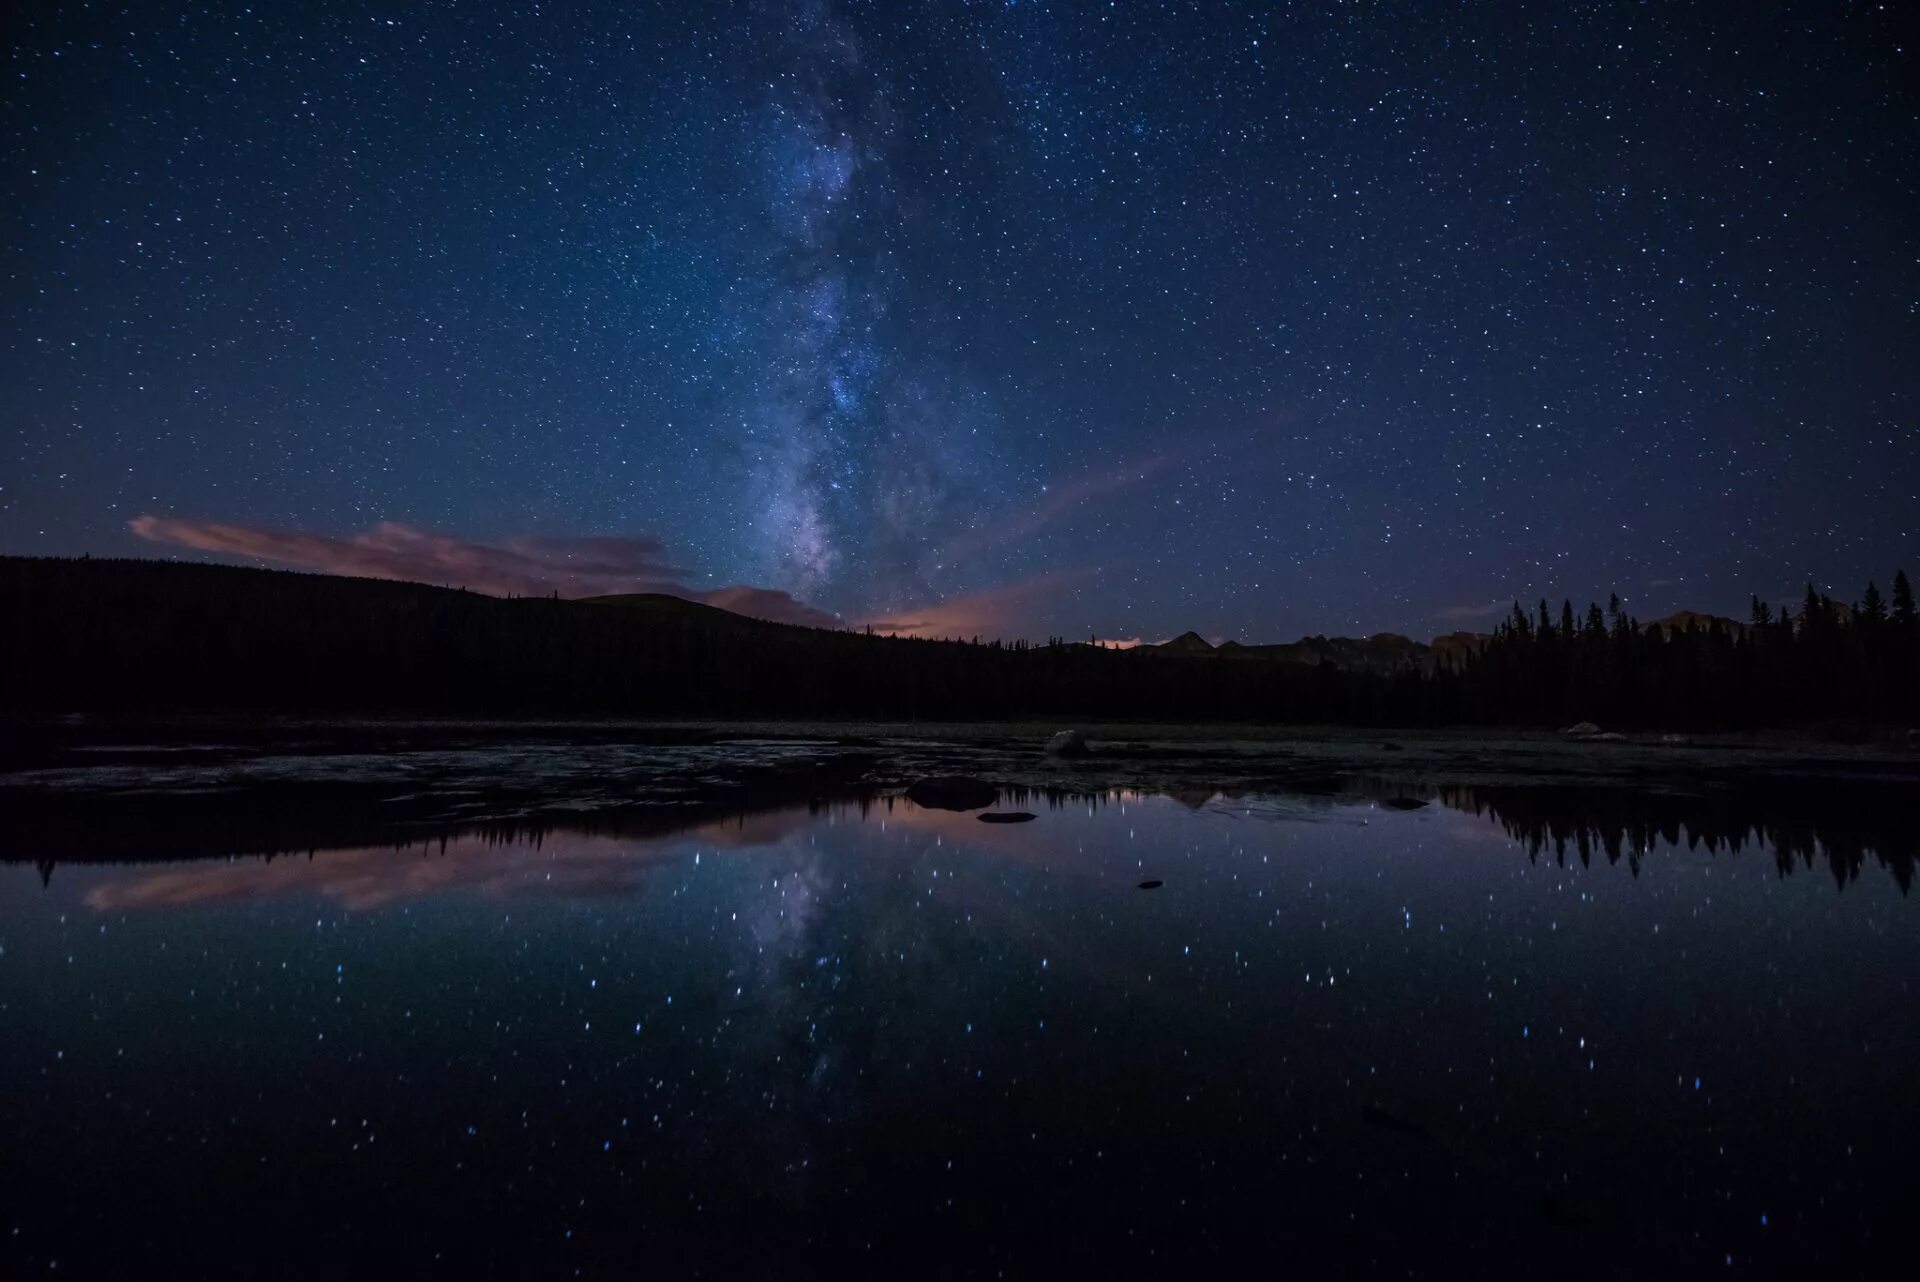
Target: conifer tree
<point>1872,611</point>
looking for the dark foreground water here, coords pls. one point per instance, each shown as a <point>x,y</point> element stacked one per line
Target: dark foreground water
<point>1338,1039</point>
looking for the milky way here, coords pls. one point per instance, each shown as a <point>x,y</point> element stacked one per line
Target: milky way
<point>1115,319</point>
<point>859,448</point>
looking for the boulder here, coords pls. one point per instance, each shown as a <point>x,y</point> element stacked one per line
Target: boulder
<point>1068,743</point>
<point>1581,730</point>
<point>952,792</point>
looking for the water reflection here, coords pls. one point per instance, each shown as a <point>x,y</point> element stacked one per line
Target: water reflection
<point>1841,824</point>
<point>859,1036</point>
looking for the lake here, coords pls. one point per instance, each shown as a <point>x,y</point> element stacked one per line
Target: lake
<point>1494,1032</point>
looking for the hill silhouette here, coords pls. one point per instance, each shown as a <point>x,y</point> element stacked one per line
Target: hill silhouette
<point>152,636</point>
<point>1185,643</point>
<point>674,607</point>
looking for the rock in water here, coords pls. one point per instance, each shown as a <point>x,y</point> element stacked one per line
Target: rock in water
<point>1006,817</point>
<point>1581,730</point>
<point>1404,803</point>
<point>1151,883</point>
<point>951,792</point>
<point>1068,743</point>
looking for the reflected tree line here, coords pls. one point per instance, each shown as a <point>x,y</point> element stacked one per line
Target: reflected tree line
<point>1841,824</point>
<point>1804,824</point>
<point>143,636</point>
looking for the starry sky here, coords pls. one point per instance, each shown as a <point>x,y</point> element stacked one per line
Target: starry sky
<point>1018,318</point>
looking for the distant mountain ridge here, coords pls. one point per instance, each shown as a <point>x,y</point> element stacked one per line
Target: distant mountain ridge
<point>1384,653</point>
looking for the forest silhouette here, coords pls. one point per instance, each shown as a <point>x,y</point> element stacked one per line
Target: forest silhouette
<point>126,636</point>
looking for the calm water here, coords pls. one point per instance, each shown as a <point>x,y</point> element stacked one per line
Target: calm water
<point>893,1040</point>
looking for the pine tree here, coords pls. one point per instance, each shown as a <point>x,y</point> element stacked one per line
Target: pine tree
<point>1904,649</point>
<point>1872,611</point>
<point>1622,625</point>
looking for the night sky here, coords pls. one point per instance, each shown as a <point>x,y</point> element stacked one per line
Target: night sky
<point>1015,318</point>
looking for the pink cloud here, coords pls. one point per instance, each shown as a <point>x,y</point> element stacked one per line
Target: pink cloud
<point>993,611</point>
<point>523,564</point>
<point>570,865</point>
<point>519,565</point>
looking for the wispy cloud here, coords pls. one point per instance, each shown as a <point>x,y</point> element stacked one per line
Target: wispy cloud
<point>572,865</point>
<point>1057,502</point>
<point>521,564</point>
<point>524,565</point>
<point>1472,613</point>
<point>992,611</point>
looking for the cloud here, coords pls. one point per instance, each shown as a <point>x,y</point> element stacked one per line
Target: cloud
<point>1470,613</point>
<point>993,611</point>
<point>520,565</point>
<point>1013,525</point>
<point>572,865</point>
<point>1074,496</point>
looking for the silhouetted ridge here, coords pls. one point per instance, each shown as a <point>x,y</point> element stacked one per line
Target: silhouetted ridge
<point>125,635</point>
<point>1185,643</point>
<point>661,603</point>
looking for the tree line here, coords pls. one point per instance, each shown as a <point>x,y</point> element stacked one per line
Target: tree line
<point>1826,662</point>
<point>125,636</point>
<point>1840,823</point>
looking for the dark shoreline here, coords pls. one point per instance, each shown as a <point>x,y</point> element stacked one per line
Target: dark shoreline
<point>95,790</point>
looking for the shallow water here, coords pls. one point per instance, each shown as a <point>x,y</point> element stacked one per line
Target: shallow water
<point>878,1038</point>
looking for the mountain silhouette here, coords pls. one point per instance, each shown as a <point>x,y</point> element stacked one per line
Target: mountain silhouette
<point>127,637</point>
